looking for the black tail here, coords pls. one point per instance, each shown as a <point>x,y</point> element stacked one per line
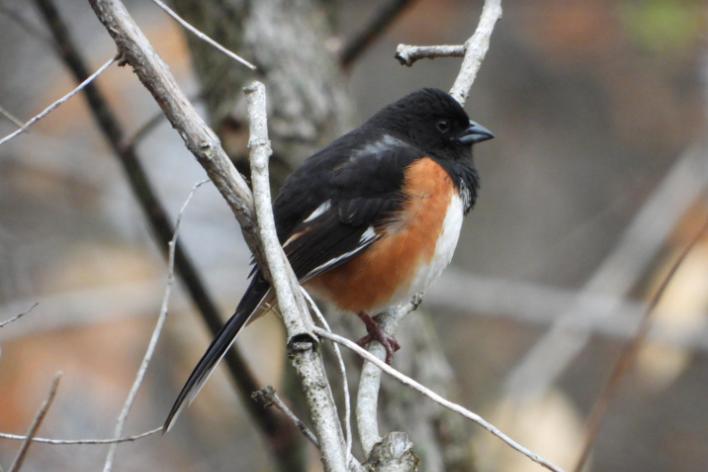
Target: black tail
<point>255,294</point>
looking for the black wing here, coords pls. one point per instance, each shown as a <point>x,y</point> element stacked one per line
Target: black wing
<point>332,207</point>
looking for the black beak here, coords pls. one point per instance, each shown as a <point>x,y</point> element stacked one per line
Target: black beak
<point>475,134</point>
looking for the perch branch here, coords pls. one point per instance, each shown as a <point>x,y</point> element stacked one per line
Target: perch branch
<point>409,382</point>
<point>302,344</point>
<point>342,371</point>
<point>36,423</point>
<point>370,380</point>
<point>118,432</point>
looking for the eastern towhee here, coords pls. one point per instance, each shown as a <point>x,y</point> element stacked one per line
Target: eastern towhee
<point>370,220</point>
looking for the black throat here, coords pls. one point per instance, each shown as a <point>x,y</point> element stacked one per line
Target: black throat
<point>465,177</point>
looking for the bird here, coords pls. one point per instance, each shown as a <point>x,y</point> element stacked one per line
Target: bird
<point>370,220</point>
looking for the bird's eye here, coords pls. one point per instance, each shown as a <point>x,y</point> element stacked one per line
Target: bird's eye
<point>443,126</point>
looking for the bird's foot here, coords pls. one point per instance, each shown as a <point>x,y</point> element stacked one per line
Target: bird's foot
<point>376,333</point>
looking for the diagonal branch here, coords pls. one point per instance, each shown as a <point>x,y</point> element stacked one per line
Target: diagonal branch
<point>627,357</point>
<point>409,382</point>
<point>62,100</point>
<point>281,438</point>
<point>157,331</point>
<point>17,317</point>
<point>36,423</point>
<point>202,36</point>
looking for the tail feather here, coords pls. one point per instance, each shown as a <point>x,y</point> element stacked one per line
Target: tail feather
<point>251,301</point>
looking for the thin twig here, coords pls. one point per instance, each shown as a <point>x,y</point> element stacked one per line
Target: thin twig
<point>156,214</point>
<point>407,381</point>
<point>36,423</point>
<point>627,357</point>
<point>10,117</point>
<point>54,105</point>
<point>408,54</point>
<point>17,317</point>
<point>73,442</point>
<point>301,343</point>
<point>268,397</point>
<point>383,18</point>
<point>342,371</point>
<point>202,36</point>
<point>155,334</point>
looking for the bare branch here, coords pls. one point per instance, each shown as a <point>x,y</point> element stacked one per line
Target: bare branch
<point>155,334</point>
<point>475,49</point>
<point>56,104</point>
<point>73,442</point>
<point>370,380</point>
<point>301,343</point>
<point>198,137</point>
<point>383,18</point>
<point>627,357</point>
<point>407,381</point>
<point>202,36</point>
<point>271,425</point>
<point>10,117</point>
<point>407,54</point>
<point>36,423</point>
<point>615,277</point>
<point>17,317</point>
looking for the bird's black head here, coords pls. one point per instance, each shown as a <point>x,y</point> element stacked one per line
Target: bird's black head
<point>433,121</point>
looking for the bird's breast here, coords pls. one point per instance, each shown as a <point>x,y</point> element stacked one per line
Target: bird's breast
<point>413,249</point>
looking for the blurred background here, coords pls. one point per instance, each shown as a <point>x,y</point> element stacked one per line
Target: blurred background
<point>594,184</point>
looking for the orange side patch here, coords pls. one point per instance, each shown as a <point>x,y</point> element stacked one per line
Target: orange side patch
<point>371,280</point>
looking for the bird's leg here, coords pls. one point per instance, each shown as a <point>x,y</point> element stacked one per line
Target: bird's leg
<point>376,333</point>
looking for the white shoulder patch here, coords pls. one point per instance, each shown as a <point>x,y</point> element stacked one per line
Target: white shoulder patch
<point>382,144</point>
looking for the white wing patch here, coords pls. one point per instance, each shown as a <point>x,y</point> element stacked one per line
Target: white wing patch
<point>318,211</point>
<point>365,241</point>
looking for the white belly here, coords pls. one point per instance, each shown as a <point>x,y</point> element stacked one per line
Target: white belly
<point>428,273</point>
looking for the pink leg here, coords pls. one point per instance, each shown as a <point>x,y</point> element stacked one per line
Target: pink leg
<point>376,333</point>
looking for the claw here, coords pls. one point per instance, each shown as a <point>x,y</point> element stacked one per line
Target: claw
<point>376,333</point>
